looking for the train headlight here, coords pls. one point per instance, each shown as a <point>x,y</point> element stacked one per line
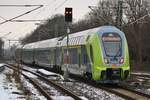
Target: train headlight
<point>106,61</point>
<point>121,61</point>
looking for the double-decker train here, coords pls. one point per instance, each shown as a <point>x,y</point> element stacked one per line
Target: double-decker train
<point>101,54</point>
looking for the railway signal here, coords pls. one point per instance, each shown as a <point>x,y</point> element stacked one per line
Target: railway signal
<point>68,14</point>
<point>68,19</point>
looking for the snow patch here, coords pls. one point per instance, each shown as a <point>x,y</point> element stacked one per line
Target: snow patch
<point>9,91</point>
<point>45,72</point>
<point>48,73</point>
<point>66,98</point>
<point>2,64</point>
<point>29,75</point>
<point>141,73</point>
<point>62,98</point>
<point>148,90</point>
<point>35,93</point>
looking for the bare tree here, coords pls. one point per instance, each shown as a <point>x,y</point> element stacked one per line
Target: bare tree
<point>137,13</point>
<point>54,27</point>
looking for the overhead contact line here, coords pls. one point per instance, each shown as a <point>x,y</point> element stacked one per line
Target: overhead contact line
<point>39,6</point>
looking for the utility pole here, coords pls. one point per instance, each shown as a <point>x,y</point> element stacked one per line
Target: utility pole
<point>119,14</point>
<point>39,36</point>
<point>56,35</point>
<point>3,37</point>
<point>10,53</point>
<point>56,32</point>
<point>9,50</point>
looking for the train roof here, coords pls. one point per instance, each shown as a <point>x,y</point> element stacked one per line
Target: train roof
<point>47,43</point>
<point>105,29</point>
<point>29,46</point>
<point>42,44</point>
<point>78,38</point>
<point>20,46</point>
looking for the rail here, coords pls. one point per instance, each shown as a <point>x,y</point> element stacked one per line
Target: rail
<point>68,92</point>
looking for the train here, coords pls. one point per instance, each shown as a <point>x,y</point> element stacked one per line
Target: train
<point>99,54</point>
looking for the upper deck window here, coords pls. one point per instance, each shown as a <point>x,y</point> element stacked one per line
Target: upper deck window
<point>112,44</point>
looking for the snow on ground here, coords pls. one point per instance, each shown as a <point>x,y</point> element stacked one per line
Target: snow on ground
<point>141,73</point>
<point>8,90</point>
<point>92,92</point>
<point>61,98</point>
<point>48,73</point>
<point>45,72</point>
<point>65,98</point>
<point>2,64</point>
<point>144,85</point>
<point>28,68</point>
<point>29,75</point>
<point>35,95</point>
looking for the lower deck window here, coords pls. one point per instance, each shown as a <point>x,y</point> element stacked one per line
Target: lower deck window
<point>73,56</point>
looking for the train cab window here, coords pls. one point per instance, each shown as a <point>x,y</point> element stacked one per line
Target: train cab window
<point>112,44</point>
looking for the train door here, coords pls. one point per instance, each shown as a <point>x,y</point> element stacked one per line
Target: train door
<point>72,60</point>
<point>52,57</point>
<point>85,62</point>
<point>58,56</point>
<point>75,61</point>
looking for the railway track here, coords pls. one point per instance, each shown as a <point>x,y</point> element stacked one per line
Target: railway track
<point>139,74</point>
<point>126,93</point>
<point>121,91</point>
<point>81,88</point>
<point>40,87</point>
<point>141,77</point>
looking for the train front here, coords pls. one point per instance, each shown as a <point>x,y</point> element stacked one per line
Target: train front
<point>114,55</point>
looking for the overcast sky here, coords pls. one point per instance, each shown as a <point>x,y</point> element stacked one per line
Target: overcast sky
<point>51,7</point>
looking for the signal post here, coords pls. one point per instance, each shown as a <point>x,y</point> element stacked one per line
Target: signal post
<point>68,20</point>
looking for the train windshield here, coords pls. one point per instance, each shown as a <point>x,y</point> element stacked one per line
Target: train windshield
<point>112,44</point>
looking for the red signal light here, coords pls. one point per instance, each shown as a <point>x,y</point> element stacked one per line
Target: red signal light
<point>68,14</point>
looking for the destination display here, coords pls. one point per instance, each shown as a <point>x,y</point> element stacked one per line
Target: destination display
<point>111,37</point>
